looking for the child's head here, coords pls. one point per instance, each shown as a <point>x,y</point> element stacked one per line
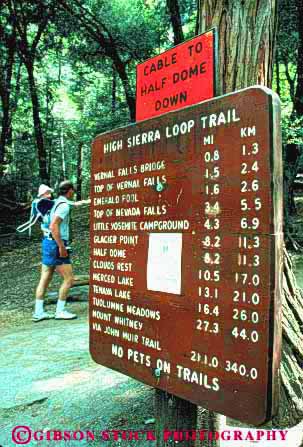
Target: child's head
<point>45,192</point>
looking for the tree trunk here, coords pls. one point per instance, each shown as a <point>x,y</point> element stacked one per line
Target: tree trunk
<point>42,156</point>
<point>290,411</point>
<point>197,25</point>
<point>246,41</point>
<point>14,102</point>
<point>246,48</point>
<point>63,162</point>
<point>277,64</point>
<point>175,18</point>
<point>130,99</point>
<point>5,126</point>
<point>79,171</point>
<point>114,90</point>
<point>298,99</point>
<point>6,71</point>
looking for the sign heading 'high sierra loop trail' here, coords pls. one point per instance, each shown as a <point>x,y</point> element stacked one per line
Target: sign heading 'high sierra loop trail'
<point>186,253</point>
<point>179,77</point>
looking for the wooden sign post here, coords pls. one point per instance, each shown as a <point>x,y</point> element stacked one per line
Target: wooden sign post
<point>186,253</point>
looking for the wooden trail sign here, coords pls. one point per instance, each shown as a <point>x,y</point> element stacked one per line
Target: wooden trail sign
<point>186,253</point>
<point>176,78</point>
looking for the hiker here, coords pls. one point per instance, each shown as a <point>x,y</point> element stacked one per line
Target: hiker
<point>56,256</point>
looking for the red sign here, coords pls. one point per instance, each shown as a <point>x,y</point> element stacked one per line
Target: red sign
<point>180,77</point>
<point>186,253</point>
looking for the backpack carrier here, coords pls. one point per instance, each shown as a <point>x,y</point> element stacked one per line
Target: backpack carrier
<point>40,212</point>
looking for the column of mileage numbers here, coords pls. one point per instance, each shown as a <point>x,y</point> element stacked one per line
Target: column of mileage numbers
<point>246,295</point>
<point>209,273</point>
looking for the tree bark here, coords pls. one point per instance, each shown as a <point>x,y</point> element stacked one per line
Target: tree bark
<point>6,71</point>
<point>42,156</point>
<point>246,41</point>
<point>197,26</point>
<point>298,99</point>
<point>62,147</point>
<point>27,43</point>
<point>5,126</point>
<point>246,49</point>
<point>290,410</point>
<point>114,91</point>
<point>277,64</point>
<point>129,95</point>
<point>79,171</point>
<point>175,18</point>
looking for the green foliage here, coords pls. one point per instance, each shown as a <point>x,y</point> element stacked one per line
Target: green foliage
<point>80,92</point>
<point>287,41</point>
<point>292,130</point>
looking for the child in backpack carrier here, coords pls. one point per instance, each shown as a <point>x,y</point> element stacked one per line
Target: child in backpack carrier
<point>40,211</point>
<point>44,206</point>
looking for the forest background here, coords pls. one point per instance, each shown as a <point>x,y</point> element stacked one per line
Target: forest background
<point>68,73</point>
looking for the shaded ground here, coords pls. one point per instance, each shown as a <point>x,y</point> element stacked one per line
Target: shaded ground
<point>48,381</point>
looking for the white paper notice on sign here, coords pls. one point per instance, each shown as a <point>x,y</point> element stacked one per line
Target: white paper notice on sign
<point>164,262</point>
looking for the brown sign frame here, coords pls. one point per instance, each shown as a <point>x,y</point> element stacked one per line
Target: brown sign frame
<point>247,391</point>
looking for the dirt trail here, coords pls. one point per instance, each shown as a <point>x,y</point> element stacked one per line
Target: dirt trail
<point>48,381</point>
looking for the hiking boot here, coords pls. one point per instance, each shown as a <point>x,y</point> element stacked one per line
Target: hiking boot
<point>42,316</point>
<point>65,315</point>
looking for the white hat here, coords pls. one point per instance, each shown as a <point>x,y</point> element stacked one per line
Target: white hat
<point>43,189</point>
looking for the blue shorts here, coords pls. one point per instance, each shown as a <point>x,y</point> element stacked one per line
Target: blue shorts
<point>50,253</point>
